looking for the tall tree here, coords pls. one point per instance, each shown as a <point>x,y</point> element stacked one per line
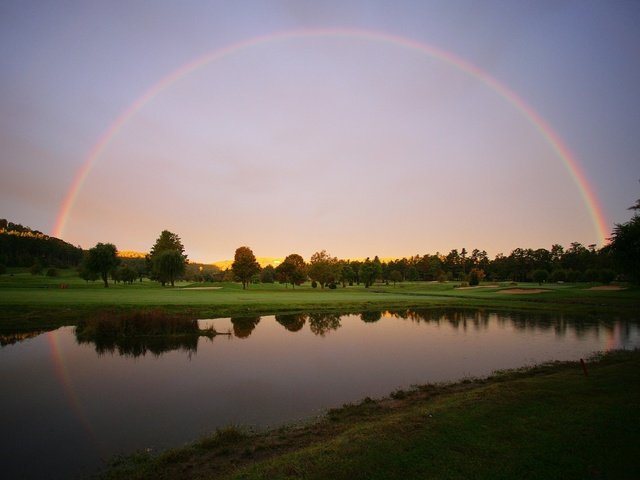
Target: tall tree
<point>168,241</point>
<point>292,270</point>
<point>244,265</point>
<point>167,268</point>
<point>370,271</point>
<point>323,268</point>
<point>168,265</point>
<point>101,259</point>
<point>625,245</point>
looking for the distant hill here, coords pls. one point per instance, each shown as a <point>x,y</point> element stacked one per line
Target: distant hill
<point>22,246</point>
<point>263,261</point>
<point>131,254</point>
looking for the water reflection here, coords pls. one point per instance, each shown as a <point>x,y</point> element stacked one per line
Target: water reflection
<point>243,326</point>
<point>65,399</point>
<point>138,333</point>
<point>292,322</point>
<point>370,317</point>
<point>322,323</point>
<point>14,337</point>
<point>137,346</point>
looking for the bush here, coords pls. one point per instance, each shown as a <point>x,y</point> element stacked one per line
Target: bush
<point>36,268</point>
<point>574,276</point>
<point>607,276</point>
<point>591,275</point>
<point>540,276</point>
<point>52,272</point>
<point>314,284</point>
<point>558,276</point>
<point>474,278</point>
<point>3,269</point>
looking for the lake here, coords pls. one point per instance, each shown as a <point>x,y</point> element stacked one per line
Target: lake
<point>69,404</point>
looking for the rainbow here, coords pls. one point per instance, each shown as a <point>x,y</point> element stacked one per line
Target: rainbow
<point>62,375</point>
<point>572,166</point>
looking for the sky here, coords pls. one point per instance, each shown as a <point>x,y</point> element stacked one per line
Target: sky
<point>388,128</point>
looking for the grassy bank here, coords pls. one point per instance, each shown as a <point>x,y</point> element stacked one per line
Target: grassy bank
<point>550,421</point>
<point>32,302</point>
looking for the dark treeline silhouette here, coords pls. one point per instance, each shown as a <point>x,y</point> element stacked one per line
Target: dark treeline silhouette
<point>21,246</point>
<point>167,262</point>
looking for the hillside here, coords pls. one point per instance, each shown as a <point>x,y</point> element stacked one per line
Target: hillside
<point>22,246</point>
<point>263,261</point>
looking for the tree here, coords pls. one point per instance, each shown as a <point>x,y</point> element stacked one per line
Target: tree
<point>323,268</point>
<point>292,270</point>
<point>244,266</point>
<point>625,245</point>
<point>268,274</point>
<point>395,276</point>
<point>167,241</point>
<point>168,265</point>
<point>101,259</point>
<point>370,271</point>
<point>540,276</point>
<point>346,274</point>
<point>475,276</point>
<point>167,269</point>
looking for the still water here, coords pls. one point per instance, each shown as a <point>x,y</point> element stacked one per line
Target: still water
<point>69,405</point>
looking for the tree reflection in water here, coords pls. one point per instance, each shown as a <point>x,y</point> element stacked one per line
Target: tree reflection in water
<point>292,322</point>
<point>137,346</point>
<point>243,326</point>
<point>158,333</point>
<point>322,323</point>
<point>134,334</point>
<point>370,317</point>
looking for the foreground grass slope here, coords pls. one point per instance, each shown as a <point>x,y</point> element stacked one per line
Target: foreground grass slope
<point>546,422</point>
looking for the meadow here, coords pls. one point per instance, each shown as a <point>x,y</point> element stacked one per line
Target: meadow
<point>34,301</point>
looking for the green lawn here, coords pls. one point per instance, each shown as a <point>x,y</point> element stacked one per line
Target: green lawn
<point>28,301</point>
<point>543,423</point>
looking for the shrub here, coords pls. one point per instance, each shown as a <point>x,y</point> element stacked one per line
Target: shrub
<point>558,275</point>
<point>52,272</point>
<point>36,268</point>
<point>540,276</point>
<point>607,276</point>
<point>314,284</point>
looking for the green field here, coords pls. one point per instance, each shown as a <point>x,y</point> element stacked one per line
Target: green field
<point>34,301</point>
<point>550,421</point>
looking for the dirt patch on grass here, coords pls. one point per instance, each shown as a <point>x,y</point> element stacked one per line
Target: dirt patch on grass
<point>477,286</point>
<point>200,288</point>
<point>607,288</point>
<point>523,291</point>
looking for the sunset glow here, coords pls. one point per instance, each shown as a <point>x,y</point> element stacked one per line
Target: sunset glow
<point>381,138</point>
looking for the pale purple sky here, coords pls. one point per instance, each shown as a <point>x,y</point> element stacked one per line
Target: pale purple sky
<point>356,146</point>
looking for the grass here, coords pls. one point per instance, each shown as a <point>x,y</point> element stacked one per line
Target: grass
<point>30,302</point>
<point>549,421</point>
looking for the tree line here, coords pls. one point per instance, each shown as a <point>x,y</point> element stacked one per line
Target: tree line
<point>21,246</point>
<point>167,262</point>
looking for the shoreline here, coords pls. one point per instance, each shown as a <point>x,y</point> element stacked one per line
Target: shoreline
<point>416,432</point>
